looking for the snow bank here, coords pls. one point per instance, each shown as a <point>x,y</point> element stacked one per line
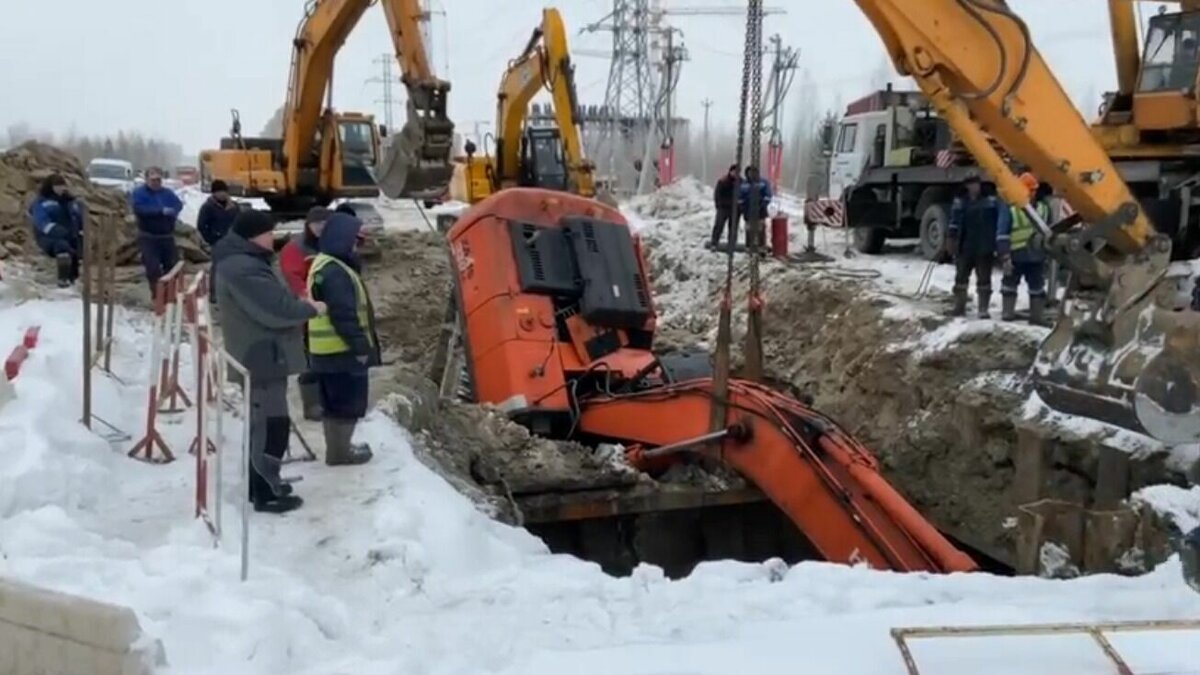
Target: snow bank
<point>1181,506</point>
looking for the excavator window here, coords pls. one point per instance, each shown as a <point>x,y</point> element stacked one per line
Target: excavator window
<point>543,164</point>
<point>1172,53</point>
<point>358,152</point>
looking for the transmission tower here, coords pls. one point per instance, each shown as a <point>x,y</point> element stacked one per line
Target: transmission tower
<point>385,61</point>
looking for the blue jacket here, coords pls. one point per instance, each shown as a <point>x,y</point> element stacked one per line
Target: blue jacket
<point>156,210</point>
<point>215,219</point>
<point>336,289</point>
<point>56,218</point>
<point>974,223</point>
<point>764,197</point>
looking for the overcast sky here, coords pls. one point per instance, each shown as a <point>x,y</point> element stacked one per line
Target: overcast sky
<point>175,68</point>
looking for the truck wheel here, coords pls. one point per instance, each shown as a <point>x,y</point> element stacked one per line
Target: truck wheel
<point>934,223</point>
<point>868,239</point>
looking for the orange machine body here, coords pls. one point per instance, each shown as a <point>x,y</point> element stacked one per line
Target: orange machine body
<point>559,330</point>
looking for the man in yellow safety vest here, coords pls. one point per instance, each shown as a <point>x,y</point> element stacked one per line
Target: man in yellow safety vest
<point>342,344</point>
<point>1019,245</point>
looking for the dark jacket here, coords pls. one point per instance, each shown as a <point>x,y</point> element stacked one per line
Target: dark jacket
<point>261,319</point>
<point>56,217</point>
<point>723,193</point>
<point>156,210</point>
<point>334,286</point>
<point>974,223</point>
<point>215,219</point>
<point>764,197</point>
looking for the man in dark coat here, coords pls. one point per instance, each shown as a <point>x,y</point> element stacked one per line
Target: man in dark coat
<point>156,209</point>
<point>216,214</point>
<point>723,196</point>
<point>261,322</point>
<point>754,196</point>
<point>342,345</point>
<point>58,227</point>
<point>971,239</point>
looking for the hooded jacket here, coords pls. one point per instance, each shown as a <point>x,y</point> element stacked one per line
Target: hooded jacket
<point>56,217</point>
<point>334,286</point>
<point>261,319</point>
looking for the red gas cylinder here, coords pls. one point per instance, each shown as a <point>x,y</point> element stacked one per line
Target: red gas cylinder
<point>779,236</point>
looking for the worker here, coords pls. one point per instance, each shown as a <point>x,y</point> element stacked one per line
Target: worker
<point>294,260</point>
<point>58,227</point>
<point>261,321</point>
<point>156,209</point>
<point>1019,246</point>
<point>343,344</point>
<point>760,189</point>
<point>723,195</point>
<point>216,214</point>
<point>971,240</point>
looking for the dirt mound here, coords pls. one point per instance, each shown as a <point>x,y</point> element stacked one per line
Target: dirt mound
<point>410,285</point>
<point>22,170</point>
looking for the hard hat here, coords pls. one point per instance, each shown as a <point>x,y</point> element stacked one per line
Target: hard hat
<point>1030,181</point>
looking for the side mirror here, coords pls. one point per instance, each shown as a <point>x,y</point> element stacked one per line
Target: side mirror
<point>383,131</point>
<point>827,139</point>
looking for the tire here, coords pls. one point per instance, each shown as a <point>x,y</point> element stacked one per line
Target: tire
<point>934,222</point>
<point>869,240</point>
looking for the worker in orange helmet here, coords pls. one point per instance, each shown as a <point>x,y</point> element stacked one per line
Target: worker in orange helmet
<point>1019,245</point>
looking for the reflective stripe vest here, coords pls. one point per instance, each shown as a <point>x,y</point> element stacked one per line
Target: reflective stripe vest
<point>1022,225</point>
<point>323,340</point>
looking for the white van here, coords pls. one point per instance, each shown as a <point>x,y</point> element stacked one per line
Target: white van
<point>113,173</point>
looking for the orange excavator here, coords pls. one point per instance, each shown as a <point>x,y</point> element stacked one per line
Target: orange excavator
<point>558,332</point>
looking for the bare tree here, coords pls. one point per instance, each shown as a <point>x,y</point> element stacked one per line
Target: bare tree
<point>274,126</point>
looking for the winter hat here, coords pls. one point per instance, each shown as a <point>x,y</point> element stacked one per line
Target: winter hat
<point>219,185</point>
<point>317,214</point>
<point>249,224</point>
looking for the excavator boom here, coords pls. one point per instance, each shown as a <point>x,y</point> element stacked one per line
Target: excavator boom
<point>1119,351</point>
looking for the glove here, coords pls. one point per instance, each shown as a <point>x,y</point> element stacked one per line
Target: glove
<point>1006,264</point>
<point>168,211</point>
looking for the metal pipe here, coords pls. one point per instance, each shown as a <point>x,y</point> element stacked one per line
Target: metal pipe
<point>88,244</point>
<point>687,444</point>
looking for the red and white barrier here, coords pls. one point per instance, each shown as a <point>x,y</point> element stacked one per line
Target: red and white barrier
<point>825,211</point>
<point>164,369</point>
<point>12,365</point>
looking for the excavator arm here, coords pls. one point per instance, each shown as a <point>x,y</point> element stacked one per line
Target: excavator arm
<point>544,63</point>
<point>1119,351</point>
<point>414,164</point>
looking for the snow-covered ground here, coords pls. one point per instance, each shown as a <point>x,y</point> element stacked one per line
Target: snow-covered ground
<point>386,569</point>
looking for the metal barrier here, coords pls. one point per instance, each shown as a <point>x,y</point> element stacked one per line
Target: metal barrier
<point>1095,630</point>
<point>98,271</point>
<point>227,361</point>
<point>164,366</point>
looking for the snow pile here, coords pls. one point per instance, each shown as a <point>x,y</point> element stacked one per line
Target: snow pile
<point>1182,507</point>
<point>1074,428</point>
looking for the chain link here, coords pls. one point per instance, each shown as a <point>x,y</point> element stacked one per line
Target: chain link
<point>755,19</point>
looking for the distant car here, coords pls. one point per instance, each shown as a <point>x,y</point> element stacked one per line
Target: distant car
<point>112,173</point>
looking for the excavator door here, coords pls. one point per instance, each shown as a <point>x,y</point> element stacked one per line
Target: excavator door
<point>416,163</point>
<point>543,163</point>
<point>359,146</point>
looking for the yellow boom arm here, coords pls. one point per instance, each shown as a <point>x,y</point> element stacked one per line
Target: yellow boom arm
<point>975,61</point>
<point>545,62</point>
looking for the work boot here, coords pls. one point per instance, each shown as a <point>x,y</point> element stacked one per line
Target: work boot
<point>1037,310</point>
<point>960,303</point>
<point>63,263</point>
<point>1008,307</point>
<point>984,299</point>
<point>278,504</point>
<point>338,449</point>
<point>310,399</point>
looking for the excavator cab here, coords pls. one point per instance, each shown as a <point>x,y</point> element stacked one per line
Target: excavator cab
<point>359,144</point>
<point>543,163</point>
<point>1165,99</point>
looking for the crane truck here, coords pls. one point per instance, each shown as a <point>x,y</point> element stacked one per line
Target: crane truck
<point>324,154</point>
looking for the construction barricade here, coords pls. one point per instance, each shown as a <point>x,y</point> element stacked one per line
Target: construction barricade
<point>164,367</point>
<point>98,273</point>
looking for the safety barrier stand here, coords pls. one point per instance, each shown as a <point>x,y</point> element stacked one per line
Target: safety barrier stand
<point>1095,630</point>
<point>98,271</point>
<point>227,362</point>
<point>171,393</point>
<point>208,395</point>
<point>167,316</point>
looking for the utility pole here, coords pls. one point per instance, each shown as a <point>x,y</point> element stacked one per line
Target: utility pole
<point>386,78</point>
<point>707,103</point>
<point>672,56</point>
<point>783,70</point>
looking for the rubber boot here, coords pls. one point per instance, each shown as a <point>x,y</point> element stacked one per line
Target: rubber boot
<point>984,300</point>
<point>338,449</point>
<point>63,263</point>
<point>1037,310</point>
<point>1008,307</point>
<point>279,504</point>
<point>960,303</point>
<point>310,399</point>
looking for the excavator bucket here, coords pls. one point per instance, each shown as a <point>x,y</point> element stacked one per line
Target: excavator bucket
<point>415,163</point>
<point>1127,358</point>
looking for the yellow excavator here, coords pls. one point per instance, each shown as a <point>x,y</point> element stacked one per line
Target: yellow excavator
<point>528,155</point>
<point>1126,347</point>
<point>325,155</point>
